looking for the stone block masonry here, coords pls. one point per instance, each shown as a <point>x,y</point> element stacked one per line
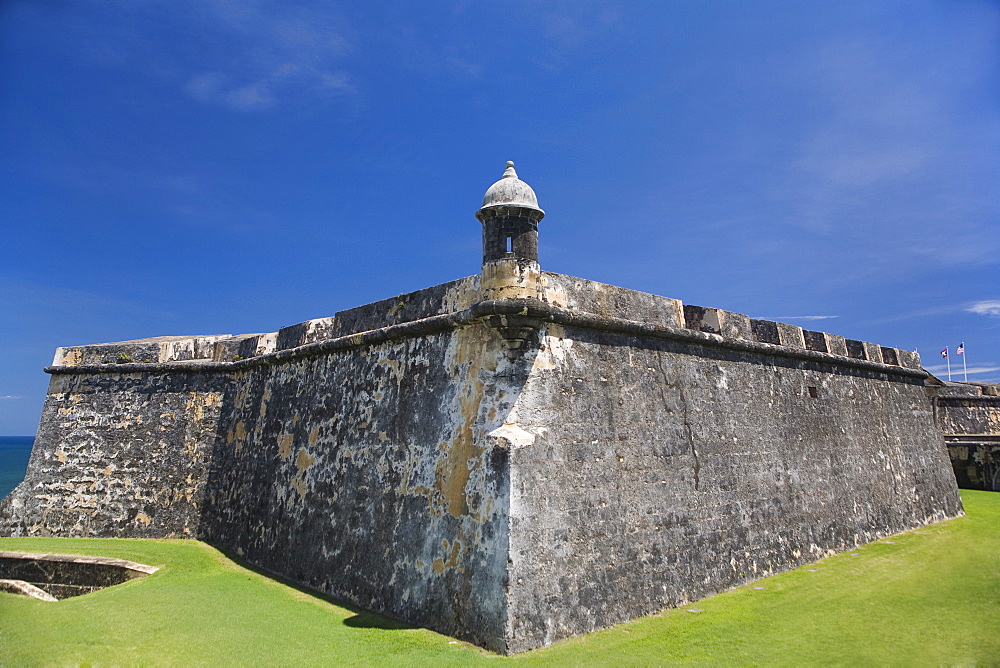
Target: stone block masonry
<point>512,458</point>
<point>968,415</point>
<point>614,463</point>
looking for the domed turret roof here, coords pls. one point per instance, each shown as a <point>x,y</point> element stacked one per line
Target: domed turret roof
<point>510,191</point>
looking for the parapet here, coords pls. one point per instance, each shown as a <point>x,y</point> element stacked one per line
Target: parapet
<point>563,299</point>
<point>156,350</point>
<point>739,326</point>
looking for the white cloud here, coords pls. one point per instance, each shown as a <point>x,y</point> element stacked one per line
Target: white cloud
<point>802,317</point>
<point>891,170</point>
<point>268,54</point>
<point>10,397</point>
<point>938,369</point>
<point>248,55</point>
<point>988,307</point>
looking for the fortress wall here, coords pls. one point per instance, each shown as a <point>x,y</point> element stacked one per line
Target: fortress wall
<point>364,469</point>
<point>444,298</point>
<point>663,471</point>
<point>119,455</point>
<point>371,475</point>
<point>969,409</point>
<point>581,295</point>
<point>968,415</point>
<point>641,454</point>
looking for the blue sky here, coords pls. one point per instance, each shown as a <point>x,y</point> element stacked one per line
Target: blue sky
<point>215,166</point>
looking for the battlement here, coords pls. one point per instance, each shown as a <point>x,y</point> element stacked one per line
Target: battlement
<point>563,299</point>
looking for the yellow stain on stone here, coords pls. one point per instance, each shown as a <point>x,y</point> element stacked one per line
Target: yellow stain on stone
<point>314,435</point>
<point>237,432</point>
<point>394,368</point>
<point>61,456</point>
<point>303,460</point>
<point>382,436</point>
<point>109,470</point>
<point>285,446</point>
<point>440,565</point>
<point>71,357</point>
<point>266,397</point>
<point>143,519</point>
<point>467,358</point>
<point>300,487</point>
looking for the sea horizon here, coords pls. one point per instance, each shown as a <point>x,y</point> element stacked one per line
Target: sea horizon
<point>14,453</point>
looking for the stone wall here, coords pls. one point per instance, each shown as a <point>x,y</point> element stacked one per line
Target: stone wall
<point>511,471</point>
<point>119,454</point>
<point>660,471</point>
<point>370,475</point>
<point>969,408</point>
<point>968,415</point>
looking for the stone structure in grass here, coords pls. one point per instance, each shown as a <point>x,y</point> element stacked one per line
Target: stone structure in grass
<point>512,458</point>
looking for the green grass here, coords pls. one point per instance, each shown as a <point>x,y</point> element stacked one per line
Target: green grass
<point>928,597</point>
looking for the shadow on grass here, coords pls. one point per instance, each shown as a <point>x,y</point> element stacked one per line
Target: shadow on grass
<point>362,619</point>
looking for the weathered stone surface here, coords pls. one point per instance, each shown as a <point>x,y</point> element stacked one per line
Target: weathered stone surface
<point>661,472</point>
<point>969,408</point>
<point>243,346</point>
<point>968,415</point>
<point>509,471</point>
<point>815,341</point>
<point>436,300</point>
<point>765,331</point>
<point>579,294</point>
<point>372,476</point>
<point>837,345</point>
<point>119,454</point>
<point>158,349</point>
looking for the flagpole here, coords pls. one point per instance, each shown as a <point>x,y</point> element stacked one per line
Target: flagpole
<point>947,358</point>
<point>965,369</point>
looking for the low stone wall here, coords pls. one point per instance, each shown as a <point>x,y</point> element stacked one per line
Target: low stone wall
<point>51,577</point>
<point>968,415</point>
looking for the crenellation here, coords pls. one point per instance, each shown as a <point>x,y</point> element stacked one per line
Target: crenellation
<point>815,341</point>
<point>856,349</point>
<point>836,345</point>
<point>873,352</point>
<point>765,331</point>
<point>244,346</point>
<point>735,325</point>
<point>790,335</point>
<point>156,350</point>
<point>889,356</point>
<point>908,358</point>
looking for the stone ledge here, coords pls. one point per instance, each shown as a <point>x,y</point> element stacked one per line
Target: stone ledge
<point>80,559</point>
<point>26,589</point>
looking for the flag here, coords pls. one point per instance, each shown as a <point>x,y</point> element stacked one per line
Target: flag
<point>944,353</point>
<point>961,349</point>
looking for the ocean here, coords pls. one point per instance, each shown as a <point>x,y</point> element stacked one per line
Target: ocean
<point>14,453</point>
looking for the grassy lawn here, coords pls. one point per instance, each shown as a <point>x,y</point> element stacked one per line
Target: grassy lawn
<point>930,596</point>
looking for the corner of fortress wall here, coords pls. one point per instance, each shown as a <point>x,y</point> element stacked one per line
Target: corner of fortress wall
<point>510,471</point>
